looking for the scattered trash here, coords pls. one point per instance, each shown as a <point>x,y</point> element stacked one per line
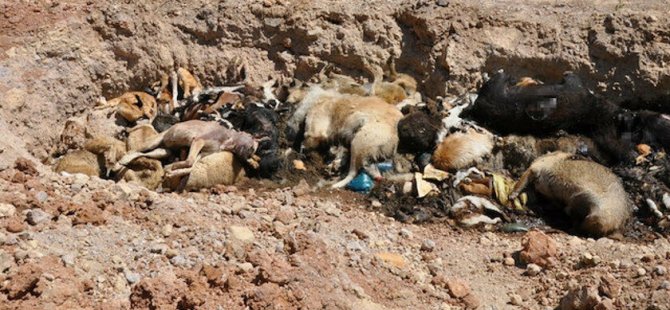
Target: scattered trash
<point>434,174</point>
<point>362,183</point>
<point>423,188</point>
<point>469,211</point>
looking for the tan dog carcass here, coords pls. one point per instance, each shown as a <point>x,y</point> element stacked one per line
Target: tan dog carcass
<point>592,195</point>
<point>368,125</point>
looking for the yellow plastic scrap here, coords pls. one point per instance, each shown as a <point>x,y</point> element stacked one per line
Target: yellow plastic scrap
<point>502,187</point>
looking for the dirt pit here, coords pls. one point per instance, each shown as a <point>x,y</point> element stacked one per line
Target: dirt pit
<point>80,242</point>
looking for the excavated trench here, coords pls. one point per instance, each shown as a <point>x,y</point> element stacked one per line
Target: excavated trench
<point>105,50</point>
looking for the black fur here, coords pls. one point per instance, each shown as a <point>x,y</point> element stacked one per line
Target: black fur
<point>261,122</point>
<point>417,132</point>
<point>164,121</point>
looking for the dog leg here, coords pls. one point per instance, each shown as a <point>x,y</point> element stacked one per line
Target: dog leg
<point>178,172</point>
<point>526,179</point>
<point>192,157</point>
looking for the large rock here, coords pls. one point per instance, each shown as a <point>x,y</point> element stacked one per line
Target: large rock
<point>583,298</point>
<point>538,249</point>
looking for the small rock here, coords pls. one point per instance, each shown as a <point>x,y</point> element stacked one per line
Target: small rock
<point>68,259</point>
<point>170,253</point>
<point>665,285</point>
<point>6,210</point>
<point>392,259</point>
<point>245,267</point>
<point>376,204</point>
<point>6,261</point>
<point>588,260</point>
<point>241,233</point>
<point>457,288</point>
<point>131,277</point>
<point>3,238</point>
<point>36,216</point>
<point>509,261</point>
<point>166,230</point>
<point>443,3</point>
<point>609,286</point>
<point>405,233</point>
<point>301,189</point>
<point>641,272</point>
<point>360,234</point>
<point>15,226</point>
<point>581,298</point>
<point>660,270</point>
<point>538,249</point>
<point>515,300</point>
<point>158,248</point>
<point>285,215</point>
<point>605,304</point>
<point>41,196</point>
<point>329,207</point>
<point>428,245</point>
<point>471,302</point>
<point>533,269</point>
<point>179,261</point>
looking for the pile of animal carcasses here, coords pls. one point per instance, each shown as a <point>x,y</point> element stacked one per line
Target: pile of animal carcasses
<point>554,140</point>
<point>176,135</point>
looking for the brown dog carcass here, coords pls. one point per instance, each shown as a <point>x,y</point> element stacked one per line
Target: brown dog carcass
<point>200,137</point>
<point>368,125</point>
<point>591,194</point>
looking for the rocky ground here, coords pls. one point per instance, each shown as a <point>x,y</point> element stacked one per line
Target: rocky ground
<point>75,242</point>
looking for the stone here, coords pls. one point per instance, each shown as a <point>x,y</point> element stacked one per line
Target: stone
<point>665,285</point>
<point>660,270</point>
<point>515,300</point>
<point>376,204</point>
<point>582,298</point>
<point>471,302</point>
<point>538,249</point>
<point>609,286</point>
<point>68,259</point>
<point>245,267</point>
<point>509,261</point>
<point>588,260</point>
<point>41,196</point>
<point>241,233</point>
<point>6,210</point>
<point>392,259</point>
<point>37,216</point>
<point>457,288</point>
<point>641,272</point>
<point>301,189</point>
<point>15,226</point>
<point>179,261</point>
<point>6,261</point>
<point>404,232</point>
<point>533,270</point>
<point>428,245</point>
<point>131,277</point>
<point>606,304</point>
<point>443,3</point>
<point>166,230</point>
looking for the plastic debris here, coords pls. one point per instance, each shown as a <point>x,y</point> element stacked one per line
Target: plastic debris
<point>502,187</point>
<point>362,183</point>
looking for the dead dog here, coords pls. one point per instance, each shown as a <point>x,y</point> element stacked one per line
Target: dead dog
<point>368,125</point>
<point>198,136</point>
<point>592,195</point>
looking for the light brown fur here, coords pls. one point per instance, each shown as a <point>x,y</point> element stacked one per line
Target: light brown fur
<point>198,136</point>
<point>367,124</point>
<point>591,194</point>
<point>80,161</point>
<point>143,171</point>
<point>460,150</point>
<point>134,105</point>
<point>188,83</point>
<point>138,135</point>
<point>214,169</point>
<point>110,148</point>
